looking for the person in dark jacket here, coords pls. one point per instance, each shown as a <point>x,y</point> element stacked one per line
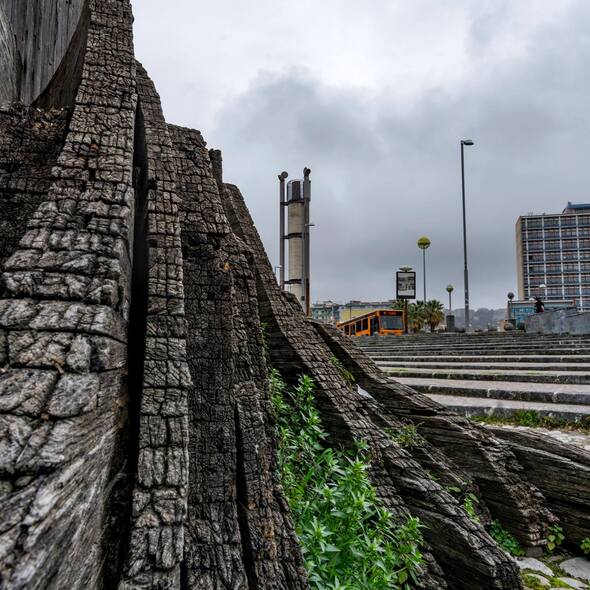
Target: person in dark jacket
<point>539,305</point>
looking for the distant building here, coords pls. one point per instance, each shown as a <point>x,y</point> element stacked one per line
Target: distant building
<point>553,256</point>
<point>326,311</point>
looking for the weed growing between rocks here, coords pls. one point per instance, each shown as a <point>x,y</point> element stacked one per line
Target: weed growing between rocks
<point>346,375</point>
<point>349,540</point>
<point>468,501</point>
<point>505,539</point>
<point>555,537</point>
<point>405,436</point>
<point>585,546</point>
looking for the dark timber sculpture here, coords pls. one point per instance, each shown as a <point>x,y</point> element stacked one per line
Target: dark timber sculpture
<point>137,446</point>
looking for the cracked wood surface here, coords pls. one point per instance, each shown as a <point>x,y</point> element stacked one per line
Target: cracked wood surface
<point>137,445</point>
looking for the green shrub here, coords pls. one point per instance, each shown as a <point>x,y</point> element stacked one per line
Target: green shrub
<point>585,545</point>
<point>349,540</point>
<point>555,537</point>
<point>406,436</point>
<point>527,418</point>
<point>468,501</point>
<point>505,539</point>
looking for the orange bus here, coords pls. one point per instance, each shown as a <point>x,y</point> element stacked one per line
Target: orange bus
<point>380,321</point>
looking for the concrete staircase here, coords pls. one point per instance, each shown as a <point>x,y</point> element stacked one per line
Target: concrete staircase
<point>492,373</point>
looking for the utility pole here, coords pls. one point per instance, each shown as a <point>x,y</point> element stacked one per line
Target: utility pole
<point>306,235</point>
<point>282,204</point>
<point>465,142</point>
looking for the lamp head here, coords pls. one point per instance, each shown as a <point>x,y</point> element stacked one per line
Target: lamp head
<point>450,288</point>
<point>466,142</point>
<point>423,243</point>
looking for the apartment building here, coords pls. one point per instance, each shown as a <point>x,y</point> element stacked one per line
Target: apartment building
<point>553,255</point>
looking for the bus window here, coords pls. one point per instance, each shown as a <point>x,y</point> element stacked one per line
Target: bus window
<point>352,329</point>
<point>365,324</point>
<point>359,326</point>
<point>392,322</point>
<point>347,330</point>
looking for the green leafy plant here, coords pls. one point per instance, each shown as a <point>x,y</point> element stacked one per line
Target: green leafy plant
<point>555,537</point>
<point>346,375</point>
<point>431,475</point>
<point>505,539</point>
<point>527,418</point>
<point>585,546</point>
<point>469,502</point>
<point>349,539</point>
<point>406,436</point>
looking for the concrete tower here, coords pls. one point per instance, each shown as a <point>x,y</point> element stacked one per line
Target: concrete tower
<point>297,203</point>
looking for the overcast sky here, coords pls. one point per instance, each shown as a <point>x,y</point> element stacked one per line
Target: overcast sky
<point>374,97</point>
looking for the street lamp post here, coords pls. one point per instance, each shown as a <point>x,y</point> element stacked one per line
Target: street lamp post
<point>510,298</point>
<point>465,142</point>
<point>424,244</point>
<point>450,317</point>
<point>282,206</point>
<point>450,289</point>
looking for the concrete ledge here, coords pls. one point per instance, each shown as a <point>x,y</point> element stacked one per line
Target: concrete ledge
<point>561,321</point>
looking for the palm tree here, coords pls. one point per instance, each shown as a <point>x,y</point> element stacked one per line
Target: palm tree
<point>416,316</point>
<point>398,304</point>
<point>434,313</point>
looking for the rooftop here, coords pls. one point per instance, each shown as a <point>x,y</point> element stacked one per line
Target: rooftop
<point>576,207</point>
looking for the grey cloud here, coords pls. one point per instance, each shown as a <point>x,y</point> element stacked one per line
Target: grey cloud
<point>385,173</point>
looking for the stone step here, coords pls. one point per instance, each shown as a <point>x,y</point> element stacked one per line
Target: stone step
<point>479,356</point>
<point>507,408</point>
<point>481,353</point>
<point>492,366</point>
<point>475,349</point>
<point>473,338</point>
<point>543,393</point>
<point>495,374</point>
<point>568,359</point>
<point>562,341</point>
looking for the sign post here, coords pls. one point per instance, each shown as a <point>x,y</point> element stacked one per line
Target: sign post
<point>405,288</point>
